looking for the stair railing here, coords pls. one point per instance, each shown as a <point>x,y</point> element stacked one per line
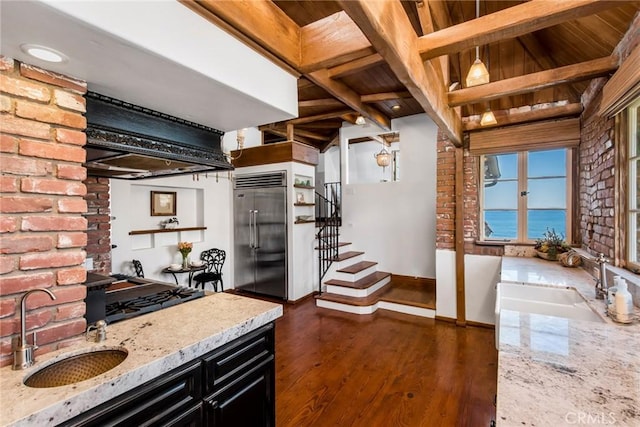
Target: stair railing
<point>327,221</point>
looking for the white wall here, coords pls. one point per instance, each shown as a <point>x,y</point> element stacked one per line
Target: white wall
<point>394,222</point>
<point>204,202</point>
<point>481,274</point>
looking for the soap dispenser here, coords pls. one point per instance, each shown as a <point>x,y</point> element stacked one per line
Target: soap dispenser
<point>623,303</point>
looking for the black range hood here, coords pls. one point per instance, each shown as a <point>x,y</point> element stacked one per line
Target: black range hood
<point>127,141</point>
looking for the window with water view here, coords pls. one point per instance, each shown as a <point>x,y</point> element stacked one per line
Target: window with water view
<point>524,194</point>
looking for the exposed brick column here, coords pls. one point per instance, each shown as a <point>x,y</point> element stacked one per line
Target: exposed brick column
<point>446,200</point>
<point>42,229</point>
<point>98,224</point>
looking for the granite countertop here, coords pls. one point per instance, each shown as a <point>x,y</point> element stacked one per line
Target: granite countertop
<point>554,371</point>
<point>157,342</point>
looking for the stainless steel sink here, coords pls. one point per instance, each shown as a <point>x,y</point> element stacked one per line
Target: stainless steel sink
<point>76,368</point>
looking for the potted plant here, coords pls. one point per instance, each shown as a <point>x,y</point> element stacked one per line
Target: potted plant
<point>551,245</point>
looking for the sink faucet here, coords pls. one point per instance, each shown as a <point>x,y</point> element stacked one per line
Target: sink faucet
<point>601,282</point>
<point>23,353</point>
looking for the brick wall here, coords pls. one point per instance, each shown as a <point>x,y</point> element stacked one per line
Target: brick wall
<point>446,200</point>
<point>42,230</point>
<point>98,224</point>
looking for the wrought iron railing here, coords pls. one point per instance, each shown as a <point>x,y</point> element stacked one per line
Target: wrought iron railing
<point>327,221</point>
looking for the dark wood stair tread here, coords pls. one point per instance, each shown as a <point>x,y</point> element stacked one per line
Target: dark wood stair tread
<point>395,292</point>
<point>340,244</point>
<point>363,283</point>
<point>346,255</point>
<point>357,267</point>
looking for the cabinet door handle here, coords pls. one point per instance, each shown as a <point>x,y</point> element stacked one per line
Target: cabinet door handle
<point>213,404</point>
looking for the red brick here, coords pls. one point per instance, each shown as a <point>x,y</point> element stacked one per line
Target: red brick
<point>8,184</point>
<point>8,144</point>
<point>6,63</point>
<point>8,307</point>
<point>47,114</point>
<point>53,223</point>
<point>72,205</point>
<point>5,104</point>
<point>61,330</point>
<point>8,224</point>
<point>72,240</point>
<point>48,150</point>
<point>53,186</point>
<point>64,295</point>
<point>74,172</point>
<point>26,166</point>
<point>34,320</point>
<point>24,88</point>
<point>55,79</point>
<point>70,311</point>
<point>70,136</point>
<point>71,276</point>
<point>25,282</point>
<point>25,204</point>
<point>21,244</point>
<point>69,101</point>
<point>7,264</point>
<point>35,261</point>
<point>18,126</point>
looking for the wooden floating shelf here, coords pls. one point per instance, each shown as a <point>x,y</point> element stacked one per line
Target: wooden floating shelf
<point>308,187</point>
<point>304,221</point>
<point>165,230</point>
<point>304,204</point>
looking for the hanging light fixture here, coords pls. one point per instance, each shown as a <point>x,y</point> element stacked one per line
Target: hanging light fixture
<point>478,73</point>
<point>383,158</point>
<point>488,118</point>
<point>360,120</point>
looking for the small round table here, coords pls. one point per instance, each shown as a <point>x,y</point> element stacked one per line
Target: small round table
<point>190,270</point>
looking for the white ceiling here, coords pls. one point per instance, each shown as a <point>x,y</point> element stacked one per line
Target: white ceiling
<point>157,54</point>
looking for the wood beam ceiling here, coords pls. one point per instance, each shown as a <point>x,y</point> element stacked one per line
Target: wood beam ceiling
<point>507,23</point>
<point>387,26</point>
<point>505,118</point>
<point>534,81</point>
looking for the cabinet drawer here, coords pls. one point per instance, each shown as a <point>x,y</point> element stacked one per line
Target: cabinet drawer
<point>157,402</point>
<point>233,359</point>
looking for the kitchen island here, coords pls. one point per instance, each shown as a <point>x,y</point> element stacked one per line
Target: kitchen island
<point>554,371</point>
<point>157,343</point>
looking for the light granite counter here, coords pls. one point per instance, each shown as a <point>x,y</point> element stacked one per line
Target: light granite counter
<point>157,342</point>
<point>554,371</point>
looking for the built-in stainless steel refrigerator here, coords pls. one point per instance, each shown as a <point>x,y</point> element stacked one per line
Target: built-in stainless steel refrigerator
<point>260,233</point>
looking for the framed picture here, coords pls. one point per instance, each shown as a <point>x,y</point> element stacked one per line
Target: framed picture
<point>163,203</point>
<point>299,197</point>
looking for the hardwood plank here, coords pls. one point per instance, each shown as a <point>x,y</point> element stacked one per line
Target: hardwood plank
<point>507,23</point>
<point>384,96</point>
<point>533,82</point>
<point>358,267</point>
<point>363,283</point>
<point>504,118</point>
<point>383,369</point>
<point>387,27</point>
<point>355,66</point>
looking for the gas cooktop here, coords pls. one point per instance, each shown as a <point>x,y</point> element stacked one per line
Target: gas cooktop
<point>129,298</point>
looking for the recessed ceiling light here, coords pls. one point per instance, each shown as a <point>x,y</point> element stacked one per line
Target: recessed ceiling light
<point>396,107</point>
<point>44,53</point>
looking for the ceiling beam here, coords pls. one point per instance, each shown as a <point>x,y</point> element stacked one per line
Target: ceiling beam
<point>348,96</point>
<point>283,133</point>
<point>355,66</point>
<point>533,82</point>
<point>387,26</point>
<point>506,24</point>
<point>441,63</point>
<point>505,118</point>
<point>330,41</point>
<point>322,102</point>
<point>323,116</point>
<point>288,127</point>
<point>385,96</point>
<point>254,21</point>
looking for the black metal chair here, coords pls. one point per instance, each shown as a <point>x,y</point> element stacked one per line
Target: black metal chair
<point>137,265</point>
<point>214,259</point>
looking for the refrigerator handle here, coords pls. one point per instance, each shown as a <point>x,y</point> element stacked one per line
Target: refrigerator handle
<point>256,232</point>
<point>250,228</point>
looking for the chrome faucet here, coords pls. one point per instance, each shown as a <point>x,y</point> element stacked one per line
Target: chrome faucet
<point>101,331</point>
<point>23,353</point>
<point>601,282</point>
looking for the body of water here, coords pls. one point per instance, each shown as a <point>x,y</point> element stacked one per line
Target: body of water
<point>504,224</point>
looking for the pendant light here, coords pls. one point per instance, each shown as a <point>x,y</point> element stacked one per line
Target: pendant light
<point>488,118</point>
<point>478,73</point>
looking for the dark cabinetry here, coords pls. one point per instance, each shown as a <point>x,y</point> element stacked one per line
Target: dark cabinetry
<point>230,386</point>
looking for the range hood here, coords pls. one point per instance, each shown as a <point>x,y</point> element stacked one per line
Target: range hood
<point>127,141</point>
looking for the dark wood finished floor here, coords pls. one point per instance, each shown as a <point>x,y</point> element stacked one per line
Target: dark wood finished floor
<point>384,369</point>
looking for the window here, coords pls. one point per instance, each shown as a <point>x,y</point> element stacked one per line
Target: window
<point>525,193</point>
<point>633,202</point>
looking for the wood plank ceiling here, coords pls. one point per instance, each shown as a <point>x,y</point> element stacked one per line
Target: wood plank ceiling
<point>389,59</point>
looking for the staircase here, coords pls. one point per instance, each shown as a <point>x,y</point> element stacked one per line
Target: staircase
<point>348,282</point>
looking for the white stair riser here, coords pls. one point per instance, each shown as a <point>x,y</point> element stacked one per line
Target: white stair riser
<point>382,305</point>
<point>351,292</point>
<point>354,309</point>
<point>349,277</point>
<point>407,309</point>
